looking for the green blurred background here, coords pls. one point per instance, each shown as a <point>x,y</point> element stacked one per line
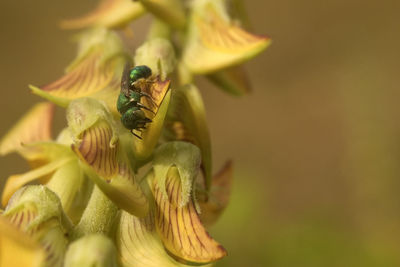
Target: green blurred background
<point>316,145</point>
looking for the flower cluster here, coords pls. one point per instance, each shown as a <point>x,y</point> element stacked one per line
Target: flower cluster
<point>105,196</point>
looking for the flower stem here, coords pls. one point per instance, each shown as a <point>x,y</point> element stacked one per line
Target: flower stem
<point>98,216</point>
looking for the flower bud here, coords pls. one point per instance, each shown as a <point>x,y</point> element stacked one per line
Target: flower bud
<point>37,211</point>
<point>91,250</point>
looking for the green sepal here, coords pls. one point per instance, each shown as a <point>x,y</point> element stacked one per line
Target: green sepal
<point>182,155</point>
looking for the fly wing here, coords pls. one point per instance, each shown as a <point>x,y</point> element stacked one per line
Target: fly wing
<point>125,85</point>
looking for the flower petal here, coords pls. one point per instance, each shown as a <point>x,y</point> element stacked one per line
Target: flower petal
<point>108,14</point>
<point>143,148</point>
<point>215,43</point>
<point>185,157</point>
<point>95,148</point>
<point>187,122</point>
<point>232,80</point>
<point>17,249</point>
<point>34,126</point>
<point>42,153</point>
<point>104,162</point>
<point>170,11</point>
<point>101,56</point>
<point>138,243</point>
<point>180,228</point>
<point>15,182</point>
<point>124,191</point>
<point>86,78</point>
<point>213,204</point>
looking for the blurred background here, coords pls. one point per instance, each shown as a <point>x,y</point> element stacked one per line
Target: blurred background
<point>316,145</point>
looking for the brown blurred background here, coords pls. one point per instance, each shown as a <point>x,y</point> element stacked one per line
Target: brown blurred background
<point>316,145</point>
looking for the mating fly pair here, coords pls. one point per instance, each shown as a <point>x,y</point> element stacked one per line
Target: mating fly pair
<point>128,103</point>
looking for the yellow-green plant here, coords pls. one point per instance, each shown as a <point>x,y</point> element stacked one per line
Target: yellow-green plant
<point>106,197</point>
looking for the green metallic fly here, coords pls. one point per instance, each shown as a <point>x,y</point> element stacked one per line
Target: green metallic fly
<point>128,103</point>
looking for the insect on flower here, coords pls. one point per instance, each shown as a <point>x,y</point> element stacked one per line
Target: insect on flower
<point>128,103</point>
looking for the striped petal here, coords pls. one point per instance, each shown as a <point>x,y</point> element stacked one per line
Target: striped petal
<point>97,66</point>
<point>183,156</point>
<point>108,14</point>
<point>213,204</point>
<point>96,149</point>
<point>180,228</point>
<point>187,122</point>
<point>18,249</point>
<point>33,127</point>
<point>87,78</point>
<point>214,42</point>
<point>170,11</point>
<point>232,80</point>
<point>104,162</point>
<point>143,148</point>
<point>139,245</point>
